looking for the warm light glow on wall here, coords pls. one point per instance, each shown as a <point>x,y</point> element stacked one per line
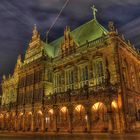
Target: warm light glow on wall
<point>7,115</point>
<point>51,111</point>
<point>30,113</point>
<point>97,106</point>
<point>79,108</point>
<point>86,117</point>
<point>64,109</point>
<point>40,112</point>
<point>114,105</point>
<point>21,114</point>
<point>1,116</point>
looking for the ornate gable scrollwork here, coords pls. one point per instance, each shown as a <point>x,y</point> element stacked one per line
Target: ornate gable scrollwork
<point>68,45</point>
<point>35,49</point>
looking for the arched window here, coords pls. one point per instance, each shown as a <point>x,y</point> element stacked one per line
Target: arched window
<point>84,74</point>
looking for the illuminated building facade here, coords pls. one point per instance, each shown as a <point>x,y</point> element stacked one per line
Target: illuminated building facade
<point>86,81</point>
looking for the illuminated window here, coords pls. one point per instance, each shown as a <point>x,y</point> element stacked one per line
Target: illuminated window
<point>84,75</point>
<point>57,82</point>
<point>69,76</point>
<point>98,72</point>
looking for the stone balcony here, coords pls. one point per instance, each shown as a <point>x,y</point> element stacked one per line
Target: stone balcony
<point>86,93</point>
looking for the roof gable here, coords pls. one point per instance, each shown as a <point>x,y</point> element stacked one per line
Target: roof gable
<point>89,31</point>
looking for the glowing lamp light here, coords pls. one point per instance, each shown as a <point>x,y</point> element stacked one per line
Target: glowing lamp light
<point>86,117</point>
<point>21,114</point>
<point>40,112</point>
<point>30,113</point>
<point>96,106</point>
<point>79,108</point>
<point>51,111</point>
<point>64,109</point>
<point>47,119</point>
<point>114,105</point>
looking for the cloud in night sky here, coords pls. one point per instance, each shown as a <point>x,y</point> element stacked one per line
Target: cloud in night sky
<point>17,18</point>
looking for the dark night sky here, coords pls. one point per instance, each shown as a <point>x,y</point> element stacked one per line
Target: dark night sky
<point>17,18</point>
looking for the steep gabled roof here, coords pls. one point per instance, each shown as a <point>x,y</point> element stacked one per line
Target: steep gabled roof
<point>89,31</point>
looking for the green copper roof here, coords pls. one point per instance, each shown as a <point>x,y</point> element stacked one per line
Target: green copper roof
<point>90,31</point>
<point>49,50</point>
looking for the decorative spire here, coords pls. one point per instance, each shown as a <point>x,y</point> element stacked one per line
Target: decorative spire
<point>123,37</point>
<point>3,77</point>
<point>111,26</point>
<point>94,11</point>
<point>19,60</point>
<point>35,33</point>
<point>129,43</point>
<point>35,29</point>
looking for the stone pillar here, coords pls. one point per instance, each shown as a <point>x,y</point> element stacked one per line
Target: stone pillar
<point>123,124</point>
<point>33,123</point>
<point>118,122</point>
<point>2,127</point>
<point>70,122</point>
<point>23,125</point>
<point>110,118</point>
<point>56,113</point>
<point>16,123</point>
<point>70,112</point>
<point>88,117</point>
<point>43,122</point>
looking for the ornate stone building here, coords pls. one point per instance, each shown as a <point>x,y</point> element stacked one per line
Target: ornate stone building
<point>86,81</point>
<point>10,85</point>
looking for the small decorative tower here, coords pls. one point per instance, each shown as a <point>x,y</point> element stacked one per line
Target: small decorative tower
<point>68,45</point>
<point>35,49</point>
<point>18,64</point>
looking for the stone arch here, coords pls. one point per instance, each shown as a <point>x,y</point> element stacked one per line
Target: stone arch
<point>63,118</point>
<point>99,118</point>
<point>38,120</point>
<point>28,121</point>
<point>79,118</point>
<point>1,121</point>
<point>49,119</point>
